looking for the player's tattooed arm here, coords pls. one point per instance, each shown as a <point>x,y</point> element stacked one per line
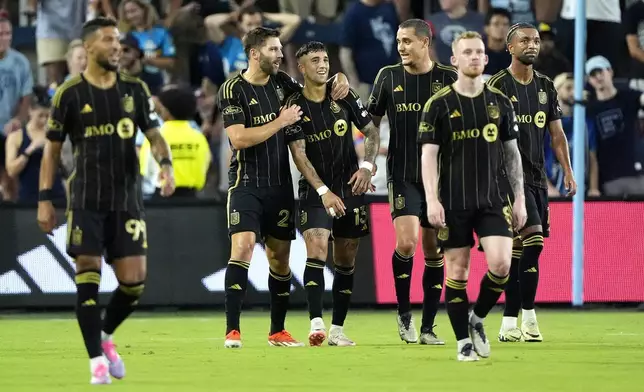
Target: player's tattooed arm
<point>298,150</point>
<point>160,148</point>
<point>514,167</point>
<point>361,180</point>
<point>371,142</point>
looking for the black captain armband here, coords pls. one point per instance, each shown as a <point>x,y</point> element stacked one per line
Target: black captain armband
<point>45,195</point>
<point>165,161</point>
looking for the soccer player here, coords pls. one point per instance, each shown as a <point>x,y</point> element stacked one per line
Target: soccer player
<point>260,197</point>
<point>472,126</point>
<point>332,187</point>
<point>100,111</point>
<point>400,91</point>
<point>535,102</point>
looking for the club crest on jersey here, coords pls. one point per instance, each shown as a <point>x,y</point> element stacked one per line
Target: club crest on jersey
<point>543,97</point>
<point>304,217</point>
<point>493,112</point>
<point>436,86</point>
<point>234,218</point>
<point>335,108</point>
<point>443,233</point>
<point>280,94</point>
<point>77,237</point>
<point>128,104</point>
<point>399,202</point>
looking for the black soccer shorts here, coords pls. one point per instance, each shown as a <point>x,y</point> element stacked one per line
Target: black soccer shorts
<point>115,234</point>
<point>408,198</point>
<point>354,224</point>
<point>536,203</point>
<point>486,222</point>
<point>267,212</point>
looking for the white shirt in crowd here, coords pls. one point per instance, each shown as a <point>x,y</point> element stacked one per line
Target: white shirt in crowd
<point>600,10</point>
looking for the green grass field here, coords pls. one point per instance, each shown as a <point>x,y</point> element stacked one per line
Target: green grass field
<point>584,351</point>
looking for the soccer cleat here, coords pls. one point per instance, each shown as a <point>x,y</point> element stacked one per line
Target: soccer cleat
<point>283,339</point>
<point>531,332</point>
<point>116,365</point>
<point>100,372</point>
<point>406,328</point>
<point>427,336</point>
<point>338,338</point>
<point>233,339</point>
<point>479,339</point>
<point>510,335</point>
<point>467,354</point>
<point>318,332</point>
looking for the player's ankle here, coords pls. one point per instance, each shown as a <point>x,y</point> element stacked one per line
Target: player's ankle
<point>509,323</point>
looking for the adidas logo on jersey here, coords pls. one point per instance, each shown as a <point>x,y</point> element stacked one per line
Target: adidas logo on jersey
<point>398,89</point>
<point>514,99</point>
<point>252,101</point>
<point>455,114</point>
<point>86,109</point>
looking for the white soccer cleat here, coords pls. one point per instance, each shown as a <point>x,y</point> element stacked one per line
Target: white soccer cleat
<point>318,332</point>
<point>467,354</point>
<point>338,338</point>
<point>510,335</point>
<point>99,368</point>
<point>406,328</point>
<point>428,337</point>
<point>479,339</point>
<point>531,333</point>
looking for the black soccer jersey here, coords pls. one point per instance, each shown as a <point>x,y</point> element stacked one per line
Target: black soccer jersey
<point>401,96</point>
<point>102,125</point>
<point>326,128</point>
<point>265,164</point>
<point>470,133</point>
<point>535,105</point>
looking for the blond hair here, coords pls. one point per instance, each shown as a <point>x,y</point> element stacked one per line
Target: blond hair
<point>151,15</point>
<point>465,35</point>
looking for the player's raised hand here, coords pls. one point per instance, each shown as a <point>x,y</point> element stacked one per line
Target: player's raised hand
<point>571,184</point>
<point>46,216</point>
<point>361,181</point>
<point>290,115</point>
<point>166,177</point>
<point>436,214</point>
<point>519,214</point>
<point>333,205</point>
<point>340,87</point>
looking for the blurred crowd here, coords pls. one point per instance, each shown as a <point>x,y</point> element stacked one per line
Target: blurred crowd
<point>191,47</point>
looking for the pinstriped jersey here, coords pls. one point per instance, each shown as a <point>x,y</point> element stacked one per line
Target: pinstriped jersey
<point>401,96</point>
<point>536,105</point>
<point>470,133</point>
<point>265,164</point>
<point>102,125</point>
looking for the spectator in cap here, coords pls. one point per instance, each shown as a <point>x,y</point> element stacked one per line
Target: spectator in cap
<point>614,115</point>
<point>551,62</point>
<point>132,64</point>
<point>634,26</point>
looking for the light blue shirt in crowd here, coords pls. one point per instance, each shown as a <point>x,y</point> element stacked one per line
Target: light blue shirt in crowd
<point>16,81</point>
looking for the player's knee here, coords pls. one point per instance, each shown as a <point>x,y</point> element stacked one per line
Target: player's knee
<point>132,288</point>
<point>88,263</point>
<point>457,267</point>
<point>499,266</point>
<point>242,248</point>
<point>317,248</point>
<point>406,245</point>
<point>344,260</point>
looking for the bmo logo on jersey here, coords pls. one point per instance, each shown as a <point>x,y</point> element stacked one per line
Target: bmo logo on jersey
<point>258,272</point>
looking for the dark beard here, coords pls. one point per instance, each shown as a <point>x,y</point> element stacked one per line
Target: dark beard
<point>266,66</point>
<point>525,60</point>
<point>106,65</point>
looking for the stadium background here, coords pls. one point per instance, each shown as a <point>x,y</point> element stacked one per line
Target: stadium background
<point>189,243</point>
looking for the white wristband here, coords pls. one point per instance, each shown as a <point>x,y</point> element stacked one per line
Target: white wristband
<point>322,190</point>
<point>367,165</point>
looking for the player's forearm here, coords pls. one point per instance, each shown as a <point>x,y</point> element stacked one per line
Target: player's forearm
<point>562,151</point>
<point>371,142</point>
<point>242,137</point>
<point>429,164</point>
<point>514,168</point>
<point>159,147</point>
<point>49,164</point>
<point>298,150</point>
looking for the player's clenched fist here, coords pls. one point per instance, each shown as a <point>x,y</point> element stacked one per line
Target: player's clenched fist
<point>290,115</point>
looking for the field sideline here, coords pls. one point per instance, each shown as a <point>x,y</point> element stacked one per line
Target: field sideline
<point>584,351</point>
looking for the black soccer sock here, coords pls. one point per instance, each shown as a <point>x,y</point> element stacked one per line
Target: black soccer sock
<point>314,286</point>
<point>122,304</point>
<point>342,290</point>
<point>529,269</point>
<point>492,287</point>
<point>402,266</point>
<point>88,312</point>
<point>457,306</point>
<point>433,277</point>
<point>236,280</point>
<point>280,289</point>
<point>512,289</point>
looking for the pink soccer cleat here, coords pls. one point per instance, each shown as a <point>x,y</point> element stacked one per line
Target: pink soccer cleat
<point>100,373</point>
<point>117,367</point>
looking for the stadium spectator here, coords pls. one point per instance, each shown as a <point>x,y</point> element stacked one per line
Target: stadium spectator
<point>190,149</point>
<point>132,63</point>
<point>551,62</point>
<point>141,19</point>
<point>519,10</point>
<point>76,62</point>
<point>497,24</point>
<point>59,22</point>
<point>454,19</point>
<point>25,148</point>
<point>325,10</point>
<point>564,83</point>
<point>614,115</point>
<point>634,26</point>
<point>16,85</point>
<point>368,42</point>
